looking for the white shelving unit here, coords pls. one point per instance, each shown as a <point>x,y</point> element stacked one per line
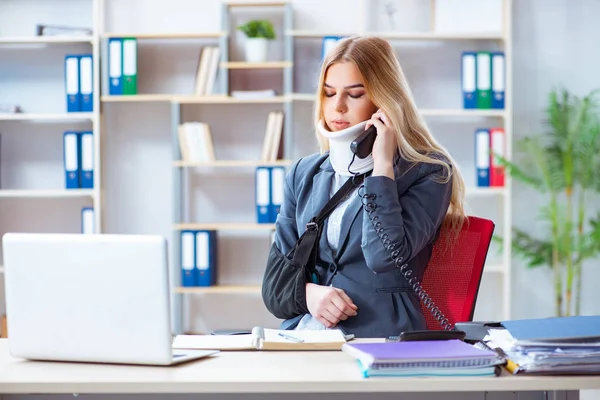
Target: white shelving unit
<point>288,100</point>
<point>47,120</point>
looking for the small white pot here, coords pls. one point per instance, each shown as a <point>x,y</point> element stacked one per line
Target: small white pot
<point>256,49</point>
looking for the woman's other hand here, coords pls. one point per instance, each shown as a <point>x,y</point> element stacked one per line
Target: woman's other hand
<point>329,305</point>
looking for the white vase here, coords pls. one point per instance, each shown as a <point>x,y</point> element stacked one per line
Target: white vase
<point>256,49</point>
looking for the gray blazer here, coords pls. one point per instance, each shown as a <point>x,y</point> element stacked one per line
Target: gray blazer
<point>411,209</point>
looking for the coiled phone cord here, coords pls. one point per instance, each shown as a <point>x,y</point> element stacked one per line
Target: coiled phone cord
<point>368,201</point>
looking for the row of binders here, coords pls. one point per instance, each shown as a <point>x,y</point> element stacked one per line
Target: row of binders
<point>122,66</point>
<point>79,82</point>
<point>269,183</point>
<point>483,79</point>
<point>489,143</point>
<point>198,258</point>
<point>78,159</point>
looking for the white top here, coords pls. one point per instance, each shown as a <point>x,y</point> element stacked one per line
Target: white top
<point>333,237</point>
<point>249,372</point>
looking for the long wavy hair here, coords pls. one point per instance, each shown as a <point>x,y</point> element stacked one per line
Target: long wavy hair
<point>388,89</point>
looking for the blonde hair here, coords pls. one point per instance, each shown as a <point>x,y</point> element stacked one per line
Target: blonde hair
<point>388,89</point>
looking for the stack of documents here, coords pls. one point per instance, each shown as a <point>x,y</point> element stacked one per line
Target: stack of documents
<point>265,339</point>
<point>423,358</point>
<point>566,345</point>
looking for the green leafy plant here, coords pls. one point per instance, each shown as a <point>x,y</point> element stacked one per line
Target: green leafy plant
<point>258,28</point>
<point>564,165</point>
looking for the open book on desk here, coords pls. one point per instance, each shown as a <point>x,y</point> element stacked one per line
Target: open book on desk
<point>266,339</point>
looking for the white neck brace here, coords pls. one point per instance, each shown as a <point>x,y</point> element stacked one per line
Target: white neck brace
<point>340,154</point>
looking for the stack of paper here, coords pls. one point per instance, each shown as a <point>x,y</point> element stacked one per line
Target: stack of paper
<point>423,358</point>
<point>565,345</point>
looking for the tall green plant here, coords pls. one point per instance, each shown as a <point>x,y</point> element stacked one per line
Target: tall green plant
<point>564,165</point>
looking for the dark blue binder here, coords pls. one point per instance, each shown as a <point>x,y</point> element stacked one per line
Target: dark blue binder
<point>86,82</point>
<point>86,141</point>
<point>482,157</point>
<point>72,89</point>
<point>206,257</point>
<point>115,66</point>
<point>187,244</point>
<point>498,79</point>
<point>71,159</point>
<point>469,79</point>
<point>277,185</point>
<point>263,194</point>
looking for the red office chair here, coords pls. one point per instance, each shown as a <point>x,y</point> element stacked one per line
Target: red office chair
<point>453,274</point>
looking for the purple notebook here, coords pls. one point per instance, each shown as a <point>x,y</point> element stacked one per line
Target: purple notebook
<point>430,353</point>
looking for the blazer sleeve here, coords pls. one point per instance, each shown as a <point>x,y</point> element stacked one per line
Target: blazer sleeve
<point>286,230</point>
<point>410,219</point>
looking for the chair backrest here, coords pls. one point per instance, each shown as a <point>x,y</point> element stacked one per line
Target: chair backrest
<point>453,274</point>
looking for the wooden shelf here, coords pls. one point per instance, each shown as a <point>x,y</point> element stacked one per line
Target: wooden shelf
<point>256,65</point>
<point>486,191</point>
<point>230,163</point>
<point>220,99</point>
<point>438,36</point>
<point>46,39</point>
<point>257,4</point>
<point>59,117</point>
<point>157,35</point>
<point>190,99</point>
<point>225,226</point>
<point>49,193</point>
<point>402,35</point>
<point>460,112</point>
<point>302,96</point>
<point>315,34</point>
<point>137,98</point>
<point>225,289</point>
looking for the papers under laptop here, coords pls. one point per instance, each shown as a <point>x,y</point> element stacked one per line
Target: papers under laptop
<point>90,298</point>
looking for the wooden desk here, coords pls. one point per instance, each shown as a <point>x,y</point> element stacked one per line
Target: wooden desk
<point>254,372</point>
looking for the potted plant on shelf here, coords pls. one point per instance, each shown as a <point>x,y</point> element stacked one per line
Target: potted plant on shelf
<point>564,165</point>
<point>258,33</point>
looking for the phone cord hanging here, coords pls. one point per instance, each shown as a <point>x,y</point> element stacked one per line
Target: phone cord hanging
<point>368,201</point>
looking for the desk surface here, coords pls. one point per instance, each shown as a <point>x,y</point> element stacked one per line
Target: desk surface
<point>248,372</point>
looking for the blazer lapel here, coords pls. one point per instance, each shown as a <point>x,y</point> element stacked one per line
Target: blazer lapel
<point>349,217</point>
<point>321,189</point>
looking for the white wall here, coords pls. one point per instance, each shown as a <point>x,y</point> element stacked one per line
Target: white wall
<point>550,46</point>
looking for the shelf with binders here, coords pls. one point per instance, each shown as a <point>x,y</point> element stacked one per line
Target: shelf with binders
<point>43,40</point>
<point>127,55</point>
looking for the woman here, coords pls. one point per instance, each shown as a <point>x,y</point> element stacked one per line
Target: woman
<point>413,186</point>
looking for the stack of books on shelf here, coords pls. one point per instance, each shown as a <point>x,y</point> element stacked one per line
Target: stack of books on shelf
<point>206,73</point>
<point>423,358</point>
<point>195,142</point>
<point>273,143</point>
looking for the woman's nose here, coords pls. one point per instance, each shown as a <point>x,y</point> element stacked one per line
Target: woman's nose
<point>340,105</point>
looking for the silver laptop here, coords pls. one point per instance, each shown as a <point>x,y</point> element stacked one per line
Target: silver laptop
<point>90,298</point>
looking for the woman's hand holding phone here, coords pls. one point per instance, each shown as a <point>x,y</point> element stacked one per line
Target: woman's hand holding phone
<point>385,145</point>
